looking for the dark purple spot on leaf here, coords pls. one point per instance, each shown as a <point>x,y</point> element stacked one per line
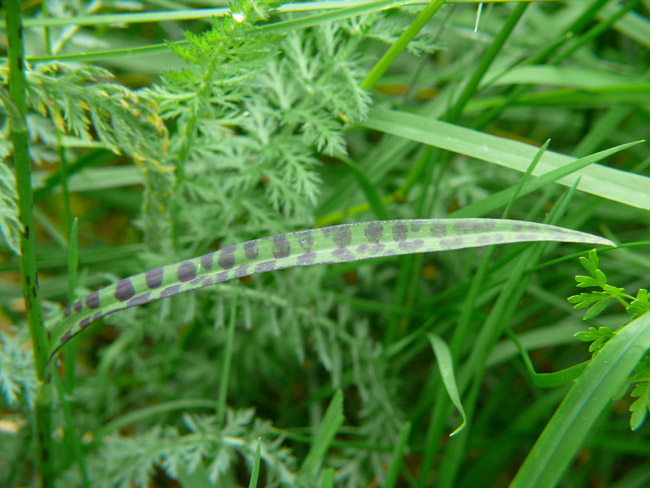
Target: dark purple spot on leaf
<point>464,226</point>
<point>416,226</point>
<point>66,337</point>
<point>85,323</point>
<point>196,281</point>
<point>67,312</point>
<point>170,291</point>
<point>251,250</point>
<point>305,239</point>
<point>207,280</point>
<point>281,246</point>
<point>206,261</point>
<point>139,300</point>
<point>342,236</point>
<point>221,277</point>
<point>451,243</point>
<point>517,225</point>
<point>400,232</point>
<point>154,277</point>
<point>411,245</point>
<point>525,237</point>
<point>343,254</point>
<point>361,248</point>
<point>484,224</point>
<point>373,232</point>
<point>92,300</point>
<point>483,240</point>
<point>241,271</point>
<point>377,249</point>
<point>265,266</point>
<point>306,259</point>
<point>124,290</point>
<point>97,316</point>
<point>186,271</point>
<point>226,257</point>
<point>438,229</point>
<point>78,305</point>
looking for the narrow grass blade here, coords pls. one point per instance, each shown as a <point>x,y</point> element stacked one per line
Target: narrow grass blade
<point>256,465</point>
<point>327,481</point>
<point>446,367</point>
<point>398,456</point>
<point>620,186</point>
<point>589,396</point>
<point>326,431</point>
<point>227,359</point>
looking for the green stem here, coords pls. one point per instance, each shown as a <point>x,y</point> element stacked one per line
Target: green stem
<point>227,359</point>
<point>401,43</point>
<point>16,109</point>
<point>16,106</point>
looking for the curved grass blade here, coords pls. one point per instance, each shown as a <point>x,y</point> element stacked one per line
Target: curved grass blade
<point>397,456</point>
<point>590,395</point>
<point>446,367</point>
<point>328,245</point>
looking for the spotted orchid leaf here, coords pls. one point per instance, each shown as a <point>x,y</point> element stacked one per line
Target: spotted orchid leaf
<point>327,245</point>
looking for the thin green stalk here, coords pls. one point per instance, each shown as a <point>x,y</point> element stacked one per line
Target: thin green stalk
<point>71,436</point>
<point>16,106</point>
<point>227,360</point>
<point>407,36</point>
<point>70,350</point>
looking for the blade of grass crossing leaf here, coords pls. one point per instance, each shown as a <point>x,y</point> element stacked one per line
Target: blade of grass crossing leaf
<point>524,179</point>
<point>256,465</point>
<point>620,186</point>
<point>446,368</point>
<point>328,428</point>
<point>589,396</point>
<point>398,456</point>
<point>328,478</point>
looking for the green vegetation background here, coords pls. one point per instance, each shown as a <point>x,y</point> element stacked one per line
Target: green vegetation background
<point>176,132</point>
